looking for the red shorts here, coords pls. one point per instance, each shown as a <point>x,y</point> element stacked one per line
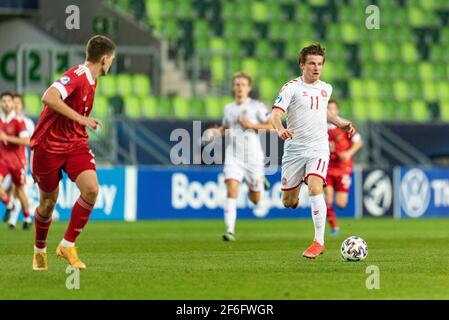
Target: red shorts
<point>46,167</point>
<point>340,183</point>
<point>18,175</point>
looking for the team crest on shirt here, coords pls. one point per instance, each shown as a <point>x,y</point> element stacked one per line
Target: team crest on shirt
<point>278,99</point>
<point>324,93</point>
<point>64,80</point>
<point>284,181</point>
<point>304,94</point>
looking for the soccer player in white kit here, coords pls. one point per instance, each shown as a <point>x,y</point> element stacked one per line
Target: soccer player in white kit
<point>306,148</point>
<point>244,157</point>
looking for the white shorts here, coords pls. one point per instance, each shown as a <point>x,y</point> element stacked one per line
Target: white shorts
<point>254,175</point>
<point>296,170</point>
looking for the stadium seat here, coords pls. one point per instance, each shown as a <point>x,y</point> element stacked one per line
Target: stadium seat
<point>124,84</point>
<point>149,107</point>
<point>141,85</point>
<point>429,91</point>
<point>213,107</point>
<point>419,111</point>
<point>426,71</point>
<point>251,66</point>
<point>444,111</point>
<point>165,107</point>
<point>259,11</point>
<point>100,108</point>
<point>401,90</point>
<point>198,109</point>
<point>443,90</point>
<point>132,107</point>
<point>360,110</point>
<point>356,89</point>
<point>409,53</point>
<point>218,69</point>
<point>107,86</point>
<point>376,110</point>
<point>181,107</point>
<point>33,104</point>
<point>268,89</point>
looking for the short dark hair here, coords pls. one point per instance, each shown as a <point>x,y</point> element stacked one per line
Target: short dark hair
<point>314,49</point>
<point>244,75</point>
<point>333,101</point>
<point>6,93</point>
<point>97,47</point>
<point>17,95</point>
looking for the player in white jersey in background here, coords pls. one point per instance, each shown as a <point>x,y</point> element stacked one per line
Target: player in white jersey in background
<point>306,148</point>
<point>244,157</point>
<point>12,215</point>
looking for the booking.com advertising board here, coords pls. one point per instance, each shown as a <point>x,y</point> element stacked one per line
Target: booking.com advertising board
<point>175,193</point>
<point>110,200</point>
<point>422,192</point>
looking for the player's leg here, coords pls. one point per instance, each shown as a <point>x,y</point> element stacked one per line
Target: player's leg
<point>19,180</point>
<point>230,208</point>
<point>42,222</point>
<point>5,183</point>
<point>80,167</point>
<point>255,179</point>
<point>293,169</point>
<point>341,199</point>
<point>329,193</point>
<point>316,170</point>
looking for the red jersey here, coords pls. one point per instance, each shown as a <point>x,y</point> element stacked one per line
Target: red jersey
<point>13,155</point>
<point>339,141</point>
<point>57,133</point>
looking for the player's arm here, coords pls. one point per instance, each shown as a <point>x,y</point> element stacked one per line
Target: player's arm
<point>342,123</point>
<point>276,121</point>
<point>22,141</point>
<point>355,147</point>
<point>53,99</point>
<point>262,126</point>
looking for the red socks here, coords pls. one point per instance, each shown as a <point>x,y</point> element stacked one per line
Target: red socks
<point>332,217</point>
<point>78,219</point>
<point>41,225</point>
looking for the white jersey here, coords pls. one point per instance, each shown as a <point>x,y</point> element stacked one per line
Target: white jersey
<point>306,107</point>
<point>29,124</point>
<point>244,145</point>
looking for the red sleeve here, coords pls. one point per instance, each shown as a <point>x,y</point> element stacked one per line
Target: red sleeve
<point>22,131</point>
<point>67,83</point>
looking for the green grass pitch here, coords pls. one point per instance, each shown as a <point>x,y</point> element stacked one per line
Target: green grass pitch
<point>188,260</point>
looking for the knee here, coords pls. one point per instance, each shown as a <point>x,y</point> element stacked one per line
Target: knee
<point>47,207</point>
<point>90,193</point>
<point>290,203</point>
<point>315,189</point>
<point>341,203</point>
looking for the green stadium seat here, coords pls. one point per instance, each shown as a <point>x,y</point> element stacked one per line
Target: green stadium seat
<point>124,84</point>
<point>403,112</point>
<point>349,33</point>
<point>168,9</point>
<point>218,69</point>
<point>360,110</point>
<point>426,71</point>
<point>443,90</point>
<point>100,108</point>
<point>401,90</point>
<point>356,89</point>
<point>198,108</point>
<point>251,66</point>
<point>259,11</point>
<point>181,107</point>
<point>411,72</point>
<point>264,49</point>
<point>141,84</point>
<point>201,28</point>
<point>444,111</point>
<point>33,104</point>
<point>132,107</point>
<point>409,53</point>
<point>437,54</point>
<point>303,13</point>
<point>372,89</point>
<point>390,110</point>
<point>429,91</point>
<point>276,30</point>
<point>213,107</point>
<point>246,30</point>
<point>153,9</point>
<point>228,11</point>
<point>274,11</point>
<point>376,110</point>
<point>231,29</point>
<point>419,111</point>
<point>165,107</point>
<point>184,10</point>
<point>217,45</point>
<point>226,100</point>
<point>268,89</point>
<point>170,29</point>
<point>107,86</point>
<point>149,107</point>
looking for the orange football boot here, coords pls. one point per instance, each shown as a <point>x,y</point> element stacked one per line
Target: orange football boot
<point>314,250</point>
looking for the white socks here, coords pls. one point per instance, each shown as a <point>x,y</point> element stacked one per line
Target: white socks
<point>15,213</point>
<point>230,214</point>
<point>319,212</point>
<point>37,250</point>
<point>66,243</point>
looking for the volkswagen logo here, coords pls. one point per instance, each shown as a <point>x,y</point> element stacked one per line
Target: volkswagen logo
<point>415,193</point>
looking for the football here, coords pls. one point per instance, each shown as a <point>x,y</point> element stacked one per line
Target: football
<point>354,249</point>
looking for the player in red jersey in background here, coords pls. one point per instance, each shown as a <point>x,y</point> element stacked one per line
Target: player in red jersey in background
<point>342,150</point>
<point>60,143</point>
<point>13,138</point>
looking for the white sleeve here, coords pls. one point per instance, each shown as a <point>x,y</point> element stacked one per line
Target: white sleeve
<point>262,113</point>
<point>225,122</point>
<point>356,138</point>
<point>285,97</point>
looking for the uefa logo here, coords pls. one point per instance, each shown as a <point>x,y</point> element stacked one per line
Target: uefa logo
<point>377,193</point>
<point>415,193</point>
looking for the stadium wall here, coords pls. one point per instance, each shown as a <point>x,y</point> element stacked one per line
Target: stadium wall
<point>142,193</point>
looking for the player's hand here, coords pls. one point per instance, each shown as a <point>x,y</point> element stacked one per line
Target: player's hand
<point>347,126</point>
<point>285,134</point>
<point>3,136</point>
<point>91,123</point>
<point>246,124</point>
<point>344,155</point>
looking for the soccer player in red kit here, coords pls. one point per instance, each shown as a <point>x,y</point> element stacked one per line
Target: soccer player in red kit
<point>342,150</point>
<point>13,139</point>
<point>60,143</point>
